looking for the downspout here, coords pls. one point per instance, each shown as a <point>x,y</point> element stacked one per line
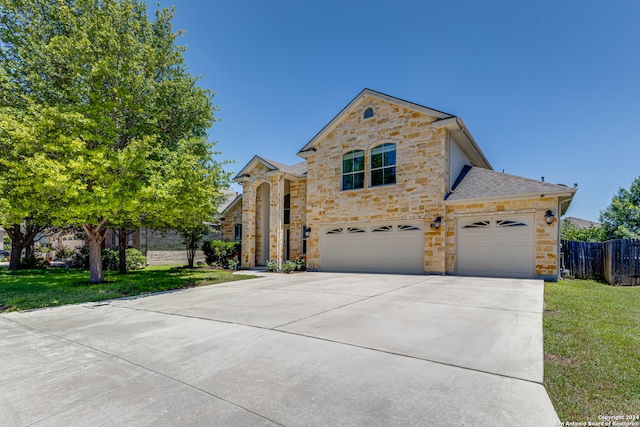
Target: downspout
<point>560,202</point>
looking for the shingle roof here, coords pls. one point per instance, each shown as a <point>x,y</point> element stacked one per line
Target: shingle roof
<point>297,169</point>
<point>479,183</point>
<point>581,224</point>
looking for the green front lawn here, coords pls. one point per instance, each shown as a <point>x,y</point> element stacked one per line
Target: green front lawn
<point>592,349</point>
<point>26,289</point>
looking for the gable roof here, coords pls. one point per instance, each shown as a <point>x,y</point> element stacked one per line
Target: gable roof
<point>230,197</point>
<point>298,170</point>
<point>230,206</point>
<point>371,93</point>
<point>480,183</point>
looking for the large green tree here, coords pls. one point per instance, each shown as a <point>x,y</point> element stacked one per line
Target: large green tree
<point>105,125</point>
<point>621,219</point>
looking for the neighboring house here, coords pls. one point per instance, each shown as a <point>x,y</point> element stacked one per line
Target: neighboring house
<point>579,223</point>
<point>1,238</point>
<point>165,247</point>
<point>393,186</point>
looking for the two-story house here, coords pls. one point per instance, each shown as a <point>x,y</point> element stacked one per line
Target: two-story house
<point>393,186</point>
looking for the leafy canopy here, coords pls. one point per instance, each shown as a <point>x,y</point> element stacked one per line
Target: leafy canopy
<point>100,120</point>
<point>621,219</point>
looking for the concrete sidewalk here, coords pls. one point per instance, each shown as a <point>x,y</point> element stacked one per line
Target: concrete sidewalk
<point>302,349</point>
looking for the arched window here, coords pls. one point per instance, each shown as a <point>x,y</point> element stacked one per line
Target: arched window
<point>237,232</point>
<point>368,113</point>
<point>353,170</point>
<point>383,165</point>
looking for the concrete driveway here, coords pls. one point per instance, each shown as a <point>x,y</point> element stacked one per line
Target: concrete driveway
<point>316,349</point>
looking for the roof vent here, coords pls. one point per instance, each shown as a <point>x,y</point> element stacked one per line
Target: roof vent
<point>368,113</point>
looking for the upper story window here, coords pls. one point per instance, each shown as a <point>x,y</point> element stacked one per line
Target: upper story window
<point>368,113</point>
<point>353,170</point>
<point>383,165</point>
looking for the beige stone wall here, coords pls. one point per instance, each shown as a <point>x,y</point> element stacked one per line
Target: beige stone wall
<point>172,257</point>
<point>298,194</point>
<point>421,180</point>
<point>232,217</point>
<point>546,236</point>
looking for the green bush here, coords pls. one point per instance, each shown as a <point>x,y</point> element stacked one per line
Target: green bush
<point>300,262</point>
<point>272,266</point>
<point>64,253</point>
<point>110,260</point>
<point>288,266</point>
<point>80,258</point>
<point>221,253</point>
<point>234,263</point>
<point>135,259</point>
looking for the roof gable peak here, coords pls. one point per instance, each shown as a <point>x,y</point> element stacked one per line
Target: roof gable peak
<point>355,103</point>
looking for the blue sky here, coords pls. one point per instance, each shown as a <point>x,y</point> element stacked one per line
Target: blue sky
<point>547,88</point>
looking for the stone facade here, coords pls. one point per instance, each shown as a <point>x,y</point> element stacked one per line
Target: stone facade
<point>232,217</point>
<point>424,140</point>
<point>420,174</point>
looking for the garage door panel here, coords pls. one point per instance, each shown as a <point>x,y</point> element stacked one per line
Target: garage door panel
<point>495,246</point>
<point>392,247</point>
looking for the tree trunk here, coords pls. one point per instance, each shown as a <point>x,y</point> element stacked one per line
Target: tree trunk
<point>95,236</point>
<point>191,254</point>
<point>123,237</point>
<point>30,250</point>
<point>19,240</point>
<point>16,253</point>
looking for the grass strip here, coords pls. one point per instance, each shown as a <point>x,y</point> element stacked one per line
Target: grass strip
<point>592,349</point>
<point>28,289</point>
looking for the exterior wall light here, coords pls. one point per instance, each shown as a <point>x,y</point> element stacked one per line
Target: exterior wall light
<point>548,217</point>
<point>436,223</point>
<point>307,231</point>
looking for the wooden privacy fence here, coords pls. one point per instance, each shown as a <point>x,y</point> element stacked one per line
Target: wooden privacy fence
<point>622,262</point>
<point>584,260</point>
<point>615,261</point>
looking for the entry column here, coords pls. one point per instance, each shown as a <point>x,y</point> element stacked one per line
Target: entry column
<point>248,257</point>
<point>276,216</point>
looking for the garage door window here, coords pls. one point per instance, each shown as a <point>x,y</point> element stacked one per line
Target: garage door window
<point>510,223</point>
<point>352,230</point>
<point>408,228</point>
<point>477,224</point>
<point>353,170</point>
<point>383,165</point>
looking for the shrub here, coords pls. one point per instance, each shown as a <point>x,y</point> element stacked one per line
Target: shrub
<point>288,266</point>
<point>219,252</point>
<point>272,266</point>
<point>80,258</point>
<point>110,260</point>
<point>300,262</point>
<point>34,263</point>
<point>234,263</point>
<point>64,253</point>
<point>135,259</point>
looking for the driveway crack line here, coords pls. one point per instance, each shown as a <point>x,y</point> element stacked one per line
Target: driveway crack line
<point>276,329</point>
<point>149,370</point>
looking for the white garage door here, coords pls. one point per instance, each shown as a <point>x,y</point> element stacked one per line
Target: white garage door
<point>380,248</point>
<point>500,246</point>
